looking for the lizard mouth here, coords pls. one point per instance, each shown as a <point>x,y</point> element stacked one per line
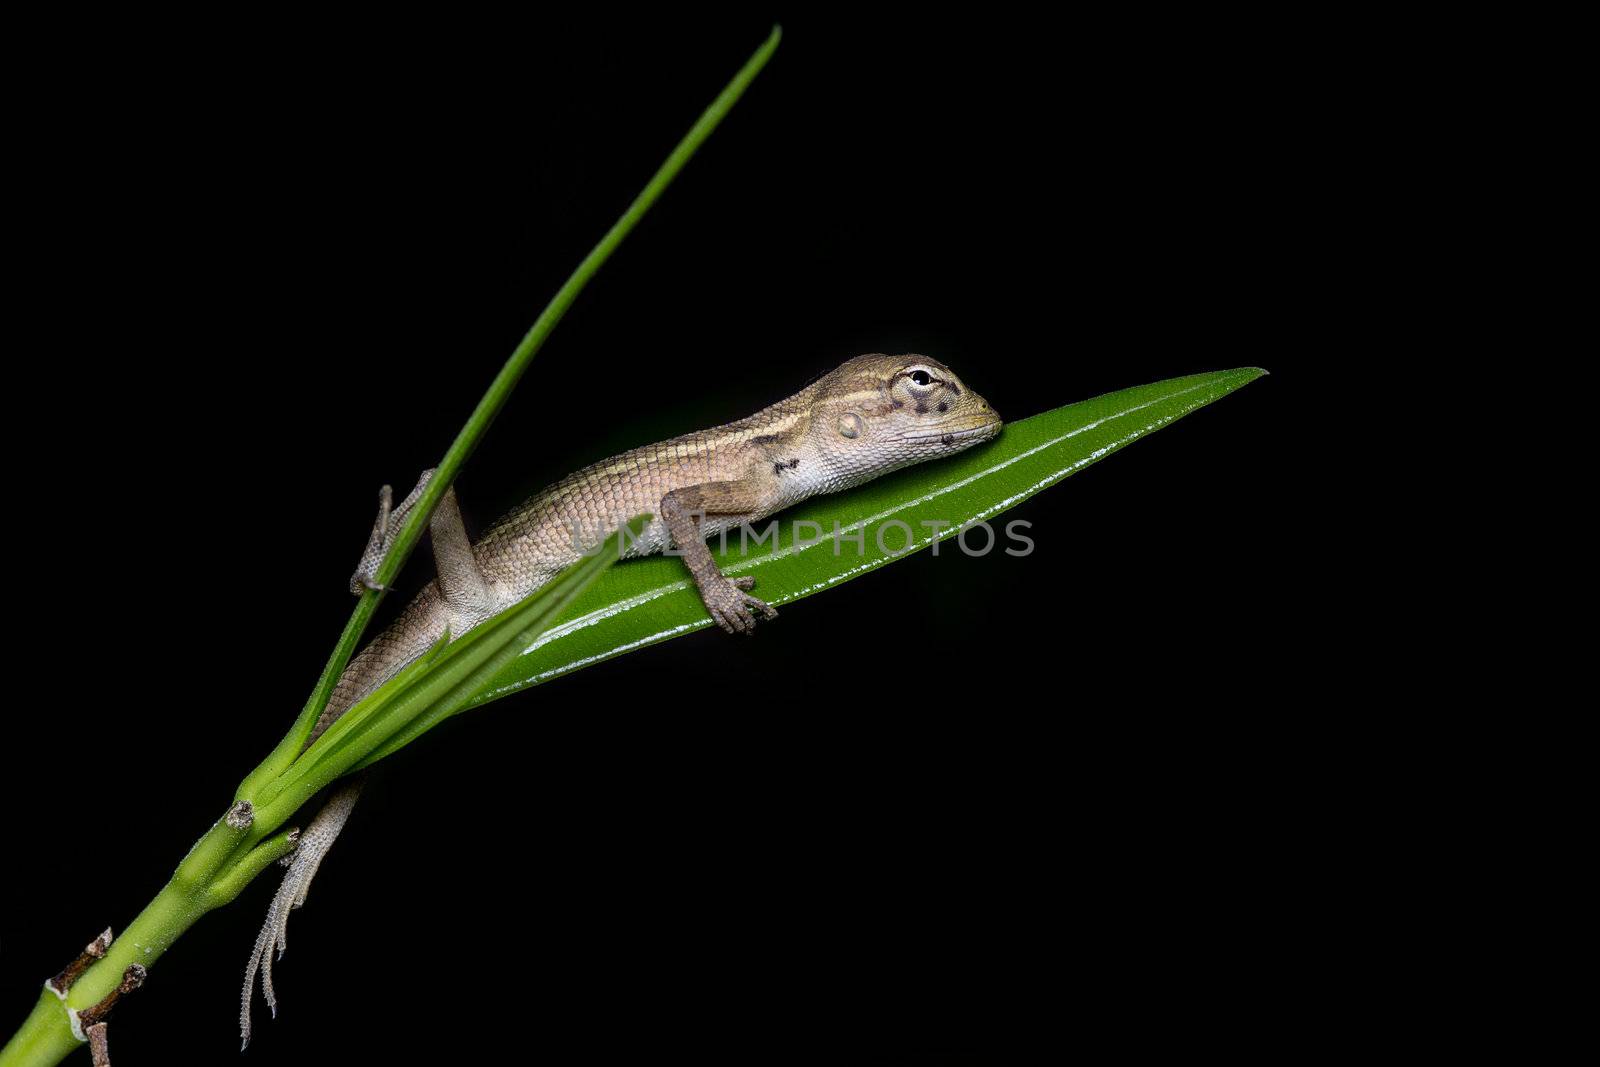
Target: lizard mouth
<point>985,430</point>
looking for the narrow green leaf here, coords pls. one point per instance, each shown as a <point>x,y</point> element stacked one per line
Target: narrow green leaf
<point>556,597</point>
<point>231,880</point>
<point>431,689</point>
<point>643,602</point>
<point>499,391</point>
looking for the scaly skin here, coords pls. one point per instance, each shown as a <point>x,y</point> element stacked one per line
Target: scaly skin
<point>874,414</point>
<point>697,485</point>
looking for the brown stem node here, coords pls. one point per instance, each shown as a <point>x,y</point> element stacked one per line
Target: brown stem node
<point>241,815</point>
<point>94,950</point>
<point>132,979</point>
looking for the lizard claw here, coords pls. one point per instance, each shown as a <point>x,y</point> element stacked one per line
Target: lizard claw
<point>389,519</point>
<point>736,610</point>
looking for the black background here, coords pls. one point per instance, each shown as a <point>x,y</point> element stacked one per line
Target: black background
<point>957,803</point>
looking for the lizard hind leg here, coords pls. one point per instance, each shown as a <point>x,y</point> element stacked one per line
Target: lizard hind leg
<point>461,583</point>
<point>314,844</point>
<point>388,521</point>
<point>465,600</point>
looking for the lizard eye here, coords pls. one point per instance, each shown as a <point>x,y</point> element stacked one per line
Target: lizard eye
<point>920,377</point>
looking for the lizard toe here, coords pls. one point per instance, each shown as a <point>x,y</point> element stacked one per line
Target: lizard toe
<point>361,581</point>
<point>735,610</point>
<point>757,606</point>
<point>723,618</point>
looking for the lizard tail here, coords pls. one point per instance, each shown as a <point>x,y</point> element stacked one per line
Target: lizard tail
<point>315,842</point>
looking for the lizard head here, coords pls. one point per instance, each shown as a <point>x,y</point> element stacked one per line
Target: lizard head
<point>877,413</point>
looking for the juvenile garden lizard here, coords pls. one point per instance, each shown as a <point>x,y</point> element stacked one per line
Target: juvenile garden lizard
<point>873,414</point>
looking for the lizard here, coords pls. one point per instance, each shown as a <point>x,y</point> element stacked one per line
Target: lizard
<point>873,414</point>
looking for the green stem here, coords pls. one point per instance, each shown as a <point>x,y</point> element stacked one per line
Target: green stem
<point>222,862</point>
<point>495,399</point>
<point>46,1037</point>
<point>231,883</point>
<point>42,1039</point>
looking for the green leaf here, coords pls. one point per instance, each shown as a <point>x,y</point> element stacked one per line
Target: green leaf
<point>431,688</point>
<point>489,407</point>
<point>647,601</point>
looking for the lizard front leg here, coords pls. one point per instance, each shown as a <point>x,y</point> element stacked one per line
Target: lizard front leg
<point>726,599</point>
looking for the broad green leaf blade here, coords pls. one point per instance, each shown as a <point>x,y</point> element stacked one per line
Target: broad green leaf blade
<point>643,602</point>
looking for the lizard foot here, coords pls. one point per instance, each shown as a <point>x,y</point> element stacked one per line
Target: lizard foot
<point>388,521</point>
<point>366,575</point>
<point>735,610</point>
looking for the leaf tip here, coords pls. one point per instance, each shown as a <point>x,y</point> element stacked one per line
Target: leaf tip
<point>1243,375</point>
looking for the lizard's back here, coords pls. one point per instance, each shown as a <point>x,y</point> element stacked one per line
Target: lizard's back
<point>531,544</point>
